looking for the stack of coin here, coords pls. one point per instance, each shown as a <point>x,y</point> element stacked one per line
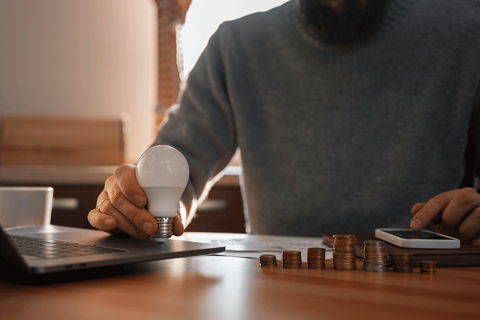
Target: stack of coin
<point>316,258</point>
<point>402,262</point>
<point>344,252</point>
<point>268,261</point>
<point>375,256</point>
<point>428,266</point>
<point>292,259</point>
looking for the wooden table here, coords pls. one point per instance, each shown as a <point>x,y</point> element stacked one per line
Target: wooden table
<point>219,287</point>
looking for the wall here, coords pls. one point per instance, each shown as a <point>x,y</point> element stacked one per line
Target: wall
<point>89,58</point>
<point>204,17</point>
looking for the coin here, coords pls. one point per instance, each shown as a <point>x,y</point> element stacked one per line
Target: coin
<point>290,254</point>
<point>268,261</point>
<point>375,256</point>
<point>344,236</point>
<point>316,265</point>
<point>428,266</point>
<point>316,258</point>
<point>344,248</point>
<point>292,259</point>
<point>311,251</point>
<point>292,265</point>
<point>344,252</point>
<point>399,256</point>
<point>373,243</point>
<point>402,262</point>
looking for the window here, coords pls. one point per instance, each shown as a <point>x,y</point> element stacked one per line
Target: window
<point>204,17</point>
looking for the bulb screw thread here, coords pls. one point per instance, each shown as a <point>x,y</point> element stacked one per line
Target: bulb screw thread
<point>165,227</point>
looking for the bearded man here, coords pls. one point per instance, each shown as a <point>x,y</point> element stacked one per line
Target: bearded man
<point>350,115</point>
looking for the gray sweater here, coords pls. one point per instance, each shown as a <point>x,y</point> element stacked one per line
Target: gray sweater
<point>332,141</point>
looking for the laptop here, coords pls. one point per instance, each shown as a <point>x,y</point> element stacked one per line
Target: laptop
<point>44,249</point>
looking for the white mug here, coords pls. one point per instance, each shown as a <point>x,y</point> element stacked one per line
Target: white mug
<point>21,206</point>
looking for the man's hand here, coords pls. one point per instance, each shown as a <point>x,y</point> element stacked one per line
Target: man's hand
<point>455,213</point>
<point>121,207</point>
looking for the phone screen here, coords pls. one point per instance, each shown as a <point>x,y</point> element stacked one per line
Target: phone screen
<point>410,234</point>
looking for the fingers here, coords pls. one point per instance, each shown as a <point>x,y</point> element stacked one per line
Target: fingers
<point>108,222</point>
<point>99,220</point>
<point>471,225</point>
<point>433,208</point>
<point>455,213</point>
<point>178,228</point>
<point>121,206</point>
<point>108,218</point>
<point>130,218</point>
<point>447,208</point>
<point>126,180</point>
<point>463,203</point>
<point>417,207</point>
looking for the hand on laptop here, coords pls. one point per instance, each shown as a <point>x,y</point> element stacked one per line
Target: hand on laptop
<point>455,213</point>
<point>121,207</point>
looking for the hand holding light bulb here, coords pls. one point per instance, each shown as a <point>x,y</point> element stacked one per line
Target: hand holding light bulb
<point>162,172</point>
<point>121,205</point>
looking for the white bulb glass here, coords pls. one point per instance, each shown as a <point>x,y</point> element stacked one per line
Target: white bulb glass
<point>162,172</point>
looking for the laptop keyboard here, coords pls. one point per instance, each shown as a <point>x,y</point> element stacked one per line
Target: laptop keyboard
<point>51,249</point>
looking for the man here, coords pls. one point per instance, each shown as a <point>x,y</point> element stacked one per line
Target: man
<point>347,113</point>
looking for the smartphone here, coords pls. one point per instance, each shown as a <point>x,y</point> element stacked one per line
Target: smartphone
<point>423,239</point>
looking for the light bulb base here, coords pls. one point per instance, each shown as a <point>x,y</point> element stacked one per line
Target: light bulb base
<point>165,228</point>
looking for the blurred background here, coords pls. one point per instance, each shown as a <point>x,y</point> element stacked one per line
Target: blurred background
<point>106,58</point>
<point>84,87</point>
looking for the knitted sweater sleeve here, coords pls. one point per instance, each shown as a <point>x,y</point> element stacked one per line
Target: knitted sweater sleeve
<point>202,125</point>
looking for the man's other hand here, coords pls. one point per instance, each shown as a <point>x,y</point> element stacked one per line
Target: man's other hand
<point>455,213</point>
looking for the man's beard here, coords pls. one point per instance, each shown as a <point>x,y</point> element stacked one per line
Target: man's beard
<point>355,23</point>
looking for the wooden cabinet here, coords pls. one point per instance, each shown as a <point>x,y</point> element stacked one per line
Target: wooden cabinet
<point>222,211</point>
<point>73,203</point>
<point>76,190</point>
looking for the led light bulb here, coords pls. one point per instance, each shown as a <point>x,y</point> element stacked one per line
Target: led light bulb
<point>162,172</point>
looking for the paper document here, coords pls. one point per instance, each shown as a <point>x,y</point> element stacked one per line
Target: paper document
<point>253,246</point>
